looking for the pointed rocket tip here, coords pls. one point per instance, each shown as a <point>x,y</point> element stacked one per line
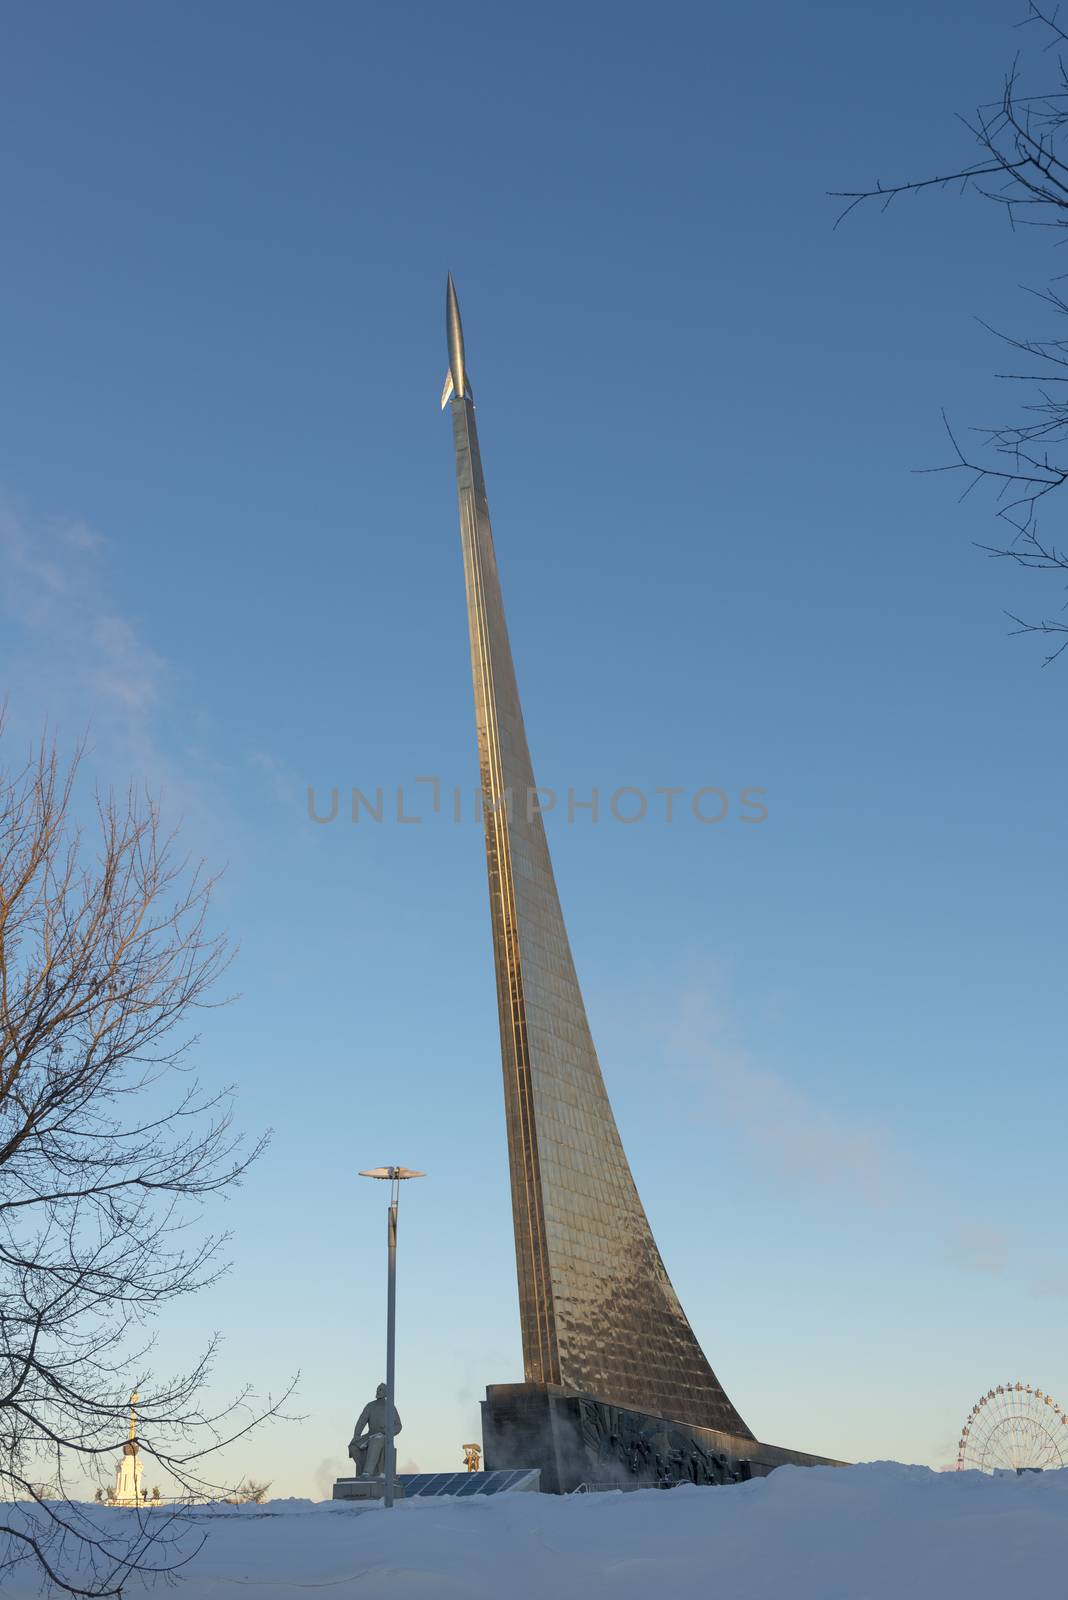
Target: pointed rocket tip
<point>455,335</point>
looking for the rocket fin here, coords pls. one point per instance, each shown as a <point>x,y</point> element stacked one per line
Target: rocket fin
<point>447,391</point>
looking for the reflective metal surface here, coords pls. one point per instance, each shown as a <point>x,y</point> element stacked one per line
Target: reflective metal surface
<point>598,1312</point>
<point>456,380</point>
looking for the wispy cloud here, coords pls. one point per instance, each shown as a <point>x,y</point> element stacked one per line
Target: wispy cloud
<point>283,783</point>
<point>980,1248</point>
<point>33,571</point>
<point>792,1133</point>
<point>80,536</point>
<point>75,664</point>
<point>786,1128</point>
<point>1050,1280</point>
<point>75,656</point>
<point>128,673</point>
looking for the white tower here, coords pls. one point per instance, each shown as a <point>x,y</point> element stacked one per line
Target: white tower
<point>128,1474</point>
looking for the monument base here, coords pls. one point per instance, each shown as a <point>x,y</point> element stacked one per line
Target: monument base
<point>580,1441</point>
<point>364,1489</point>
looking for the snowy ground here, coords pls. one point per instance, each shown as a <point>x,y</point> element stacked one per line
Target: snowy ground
<point>878,1532</point>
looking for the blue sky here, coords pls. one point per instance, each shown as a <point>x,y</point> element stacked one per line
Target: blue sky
<point>834,1042</point>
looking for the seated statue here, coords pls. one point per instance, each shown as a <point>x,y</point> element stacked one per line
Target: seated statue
<point>368,1452</point>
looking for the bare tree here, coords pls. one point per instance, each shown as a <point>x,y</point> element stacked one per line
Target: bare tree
<point>1023,168</point>
<point>249,1493</point>
<point>105,1147</point>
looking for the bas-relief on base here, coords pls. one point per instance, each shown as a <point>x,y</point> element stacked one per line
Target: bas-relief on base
<point>577,1440</point>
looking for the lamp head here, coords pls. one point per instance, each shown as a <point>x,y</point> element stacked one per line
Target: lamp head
<point>392,1174</point>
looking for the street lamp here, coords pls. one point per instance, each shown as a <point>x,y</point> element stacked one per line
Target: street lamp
<point>394,1176</point>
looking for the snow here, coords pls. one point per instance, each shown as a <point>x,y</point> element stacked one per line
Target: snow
<point>875,1532</point>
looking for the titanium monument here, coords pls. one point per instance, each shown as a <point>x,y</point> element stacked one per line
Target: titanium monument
<point>616,1385</point>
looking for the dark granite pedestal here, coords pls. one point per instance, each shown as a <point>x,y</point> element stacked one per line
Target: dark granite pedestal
<point>365,1489</point>
<point>578,1439</point>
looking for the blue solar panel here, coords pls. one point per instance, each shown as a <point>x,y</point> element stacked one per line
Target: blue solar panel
<point>433,1484</point>
<point>427,1483</point>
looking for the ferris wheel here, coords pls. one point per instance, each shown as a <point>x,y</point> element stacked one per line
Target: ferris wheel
<point>1014,1427</point>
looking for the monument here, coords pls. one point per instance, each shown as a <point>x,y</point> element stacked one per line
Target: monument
<point>616,1386</point>
<point>367,1449</point>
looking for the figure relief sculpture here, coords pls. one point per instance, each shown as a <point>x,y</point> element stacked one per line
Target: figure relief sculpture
<point>368,1449</point>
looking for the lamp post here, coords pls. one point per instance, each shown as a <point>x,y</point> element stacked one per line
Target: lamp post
<point>394,1176</point>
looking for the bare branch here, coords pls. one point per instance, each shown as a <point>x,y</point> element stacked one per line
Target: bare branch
<point>105,956</point>
<point>1022,141</point>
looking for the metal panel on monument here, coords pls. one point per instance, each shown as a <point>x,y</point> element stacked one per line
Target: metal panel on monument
<point>598,1314</point>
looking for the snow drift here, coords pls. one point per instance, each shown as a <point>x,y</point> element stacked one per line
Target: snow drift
<point>875,1532</point>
